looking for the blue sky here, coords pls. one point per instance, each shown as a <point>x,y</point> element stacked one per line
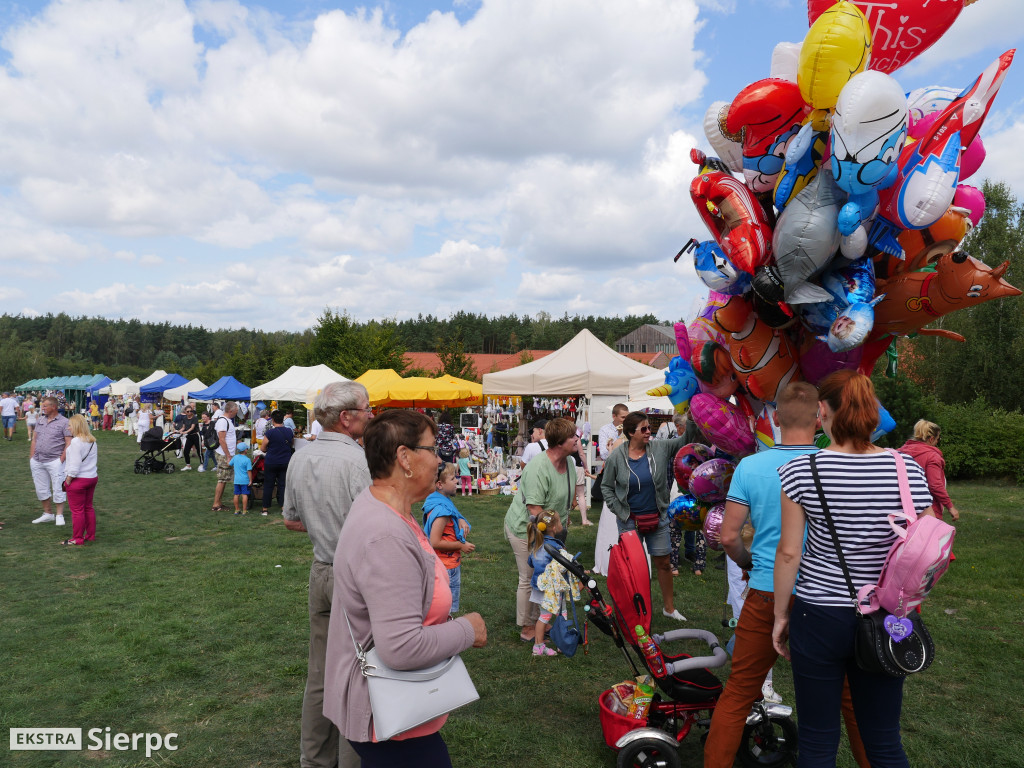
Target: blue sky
<point>233,164</point>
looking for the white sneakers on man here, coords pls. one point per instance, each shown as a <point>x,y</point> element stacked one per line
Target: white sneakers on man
<point>186,468</point>
<point>201,469</point>
<point>60,519</point>
<point>46,517</point>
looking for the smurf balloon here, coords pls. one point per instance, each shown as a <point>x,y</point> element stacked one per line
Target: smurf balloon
<point>869,129</point>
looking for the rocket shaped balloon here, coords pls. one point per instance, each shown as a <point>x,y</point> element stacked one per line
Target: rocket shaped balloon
<point>929,169</point>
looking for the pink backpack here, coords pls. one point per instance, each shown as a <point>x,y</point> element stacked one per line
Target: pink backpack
<point>916,561</point>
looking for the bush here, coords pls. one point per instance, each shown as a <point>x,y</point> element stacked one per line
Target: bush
<point>981,441</point>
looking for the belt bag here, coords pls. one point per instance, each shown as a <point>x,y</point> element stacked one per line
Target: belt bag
<point>403,699</point>
<point>647,522</point>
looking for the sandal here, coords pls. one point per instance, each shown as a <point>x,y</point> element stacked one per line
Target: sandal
<point>70,543</point>
<point>540,649</point>
<point>219,508</point>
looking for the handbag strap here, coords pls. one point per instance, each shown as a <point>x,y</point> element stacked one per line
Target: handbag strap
<point>360,653</point>
<point>832,529</point>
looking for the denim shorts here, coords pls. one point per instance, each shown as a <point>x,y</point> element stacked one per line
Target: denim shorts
<point>658,541</point>
<point>9,421</point>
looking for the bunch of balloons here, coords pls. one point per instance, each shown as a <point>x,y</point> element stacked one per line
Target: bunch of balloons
<point>703,475</point>
<point>837,206</point>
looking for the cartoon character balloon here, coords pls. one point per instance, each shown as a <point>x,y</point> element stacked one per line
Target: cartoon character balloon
<point>726,145</point>
<point>687,459</point>
<point>769,113</point>
<point>709,482</point>
<point>868,131</point>
<point>714,268</point>
<point>680,384</point>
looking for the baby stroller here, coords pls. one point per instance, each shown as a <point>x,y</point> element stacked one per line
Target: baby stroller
<point>154,446</point>
<point>688,690</point>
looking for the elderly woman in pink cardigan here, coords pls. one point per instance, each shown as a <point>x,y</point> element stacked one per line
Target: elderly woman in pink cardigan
<point>390,583</point>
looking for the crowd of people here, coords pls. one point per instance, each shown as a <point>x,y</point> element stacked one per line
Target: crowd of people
<point>378,505</point>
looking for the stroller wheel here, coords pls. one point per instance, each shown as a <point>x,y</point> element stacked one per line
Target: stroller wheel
<point>648,753</point>
<point>169,468</point>
<point>138,470</point>
<point>771,743</point>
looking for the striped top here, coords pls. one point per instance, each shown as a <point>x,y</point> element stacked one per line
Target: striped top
<point>861,490</point>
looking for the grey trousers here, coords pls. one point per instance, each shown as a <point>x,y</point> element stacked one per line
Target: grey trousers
<point>321,745</point>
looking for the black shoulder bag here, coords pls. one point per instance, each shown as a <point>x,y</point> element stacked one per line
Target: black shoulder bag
<point>875,648</point>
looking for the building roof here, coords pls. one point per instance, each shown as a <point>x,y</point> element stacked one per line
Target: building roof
<point>483,363</point>
<point>653,359</point>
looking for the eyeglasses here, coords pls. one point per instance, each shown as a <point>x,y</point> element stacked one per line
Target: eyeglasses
<point>644,429</point>
<point>367,410</point>
<point>431,448</point>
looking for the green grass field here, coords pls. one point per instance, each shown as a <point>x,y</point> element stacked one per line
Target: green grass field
<point>182,620</point>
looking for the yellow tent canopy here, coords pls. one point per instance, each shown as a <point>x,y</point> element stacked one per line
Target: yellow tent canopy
<point>387,389</point>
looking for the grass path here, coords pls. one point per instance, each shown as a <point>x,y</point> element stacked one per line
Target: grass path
<point>182,620</point>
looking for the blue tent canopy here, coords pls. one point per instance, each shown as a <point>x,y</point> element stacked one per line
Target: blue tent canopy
<point>170,381</point>
<point>224,388</point>
<point>100,384</point>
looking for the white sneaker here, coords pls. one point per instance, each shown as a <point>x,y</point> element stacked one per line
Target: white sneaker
<point>186,468</point>
<point>769,694</point>
<point>201,469</point>
<point>46,517</point>
<point>674,615</point>
<point>60,519</point>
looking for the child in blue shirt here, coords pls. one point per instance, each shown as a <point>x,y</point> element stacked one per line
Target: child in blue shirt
<point>243,477</point>
<point>446,528</point>
<point>465,474</point>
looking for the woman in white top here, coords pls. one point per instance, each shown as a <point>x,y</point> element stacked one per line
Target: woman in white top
<point>30,420</point>
<point>81,474</point>
<point>144,423</point>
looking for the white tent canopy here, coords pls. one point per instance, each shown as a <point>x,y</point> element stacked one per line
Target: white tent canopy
<point>119,387</point>
<point>298,383</point>
<point>133,389</point>
<point>583,366</point>
<point>179,392</point>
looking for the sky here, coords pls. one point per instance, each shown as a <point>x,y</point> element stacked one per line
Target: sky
<point>247,164</point>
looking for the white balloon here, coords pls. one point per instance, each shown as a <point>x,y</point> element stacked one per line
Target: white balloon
<point>786,61</point>
<point>728,150</point>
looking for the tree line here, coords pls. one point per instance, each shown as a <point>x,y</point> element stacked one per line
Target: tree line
<point>61,345</point>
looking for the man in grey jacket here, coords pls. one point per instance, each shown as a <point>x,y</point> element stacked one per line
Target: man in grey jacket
<point>323,480</point>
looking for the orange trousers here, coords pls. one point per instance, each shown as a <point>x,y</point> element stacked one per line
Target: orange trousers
<point>753,655</point>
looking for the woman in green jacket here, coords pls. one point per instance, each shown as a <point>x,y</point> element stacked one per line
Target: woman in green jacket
<point>636,486</point>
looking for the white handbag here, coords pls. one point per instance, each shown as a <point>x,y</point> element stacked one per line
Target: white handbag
<point>402,699</point>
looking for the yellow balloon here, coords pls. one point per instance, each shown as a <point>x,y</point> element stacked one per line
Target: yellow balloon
<point>837,47</point>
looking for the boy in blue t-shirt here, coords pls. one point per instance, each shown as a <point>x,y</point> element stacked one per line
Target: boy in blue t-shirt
<point>243,477</point>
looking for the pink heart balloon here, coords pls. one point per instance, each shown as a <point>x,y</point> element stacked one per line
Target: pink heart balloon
<point>902,33</point>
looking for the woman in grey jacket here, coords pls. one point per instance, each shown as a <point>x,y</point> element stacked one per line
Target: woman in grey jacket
<point>636,484</point>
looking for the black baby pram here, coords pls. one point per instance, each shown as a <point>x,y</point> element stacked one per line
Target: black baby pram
<point>154,447</point>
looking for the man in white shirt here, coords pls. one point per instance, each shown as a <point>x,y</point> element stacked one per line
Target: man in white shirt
<point>315,429</point>
<point>611,432</point>
<point>537,442</point>
<point>9,412</point>
<point>225,428</point>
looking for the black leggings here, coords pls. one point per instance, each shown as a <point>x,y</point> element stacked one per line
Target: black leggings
<point>192,444</point>
<point>273,473</point>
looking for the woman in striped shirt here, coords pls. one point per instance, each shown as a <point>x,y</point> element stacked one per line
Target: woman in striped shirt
<point>860,484</point>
